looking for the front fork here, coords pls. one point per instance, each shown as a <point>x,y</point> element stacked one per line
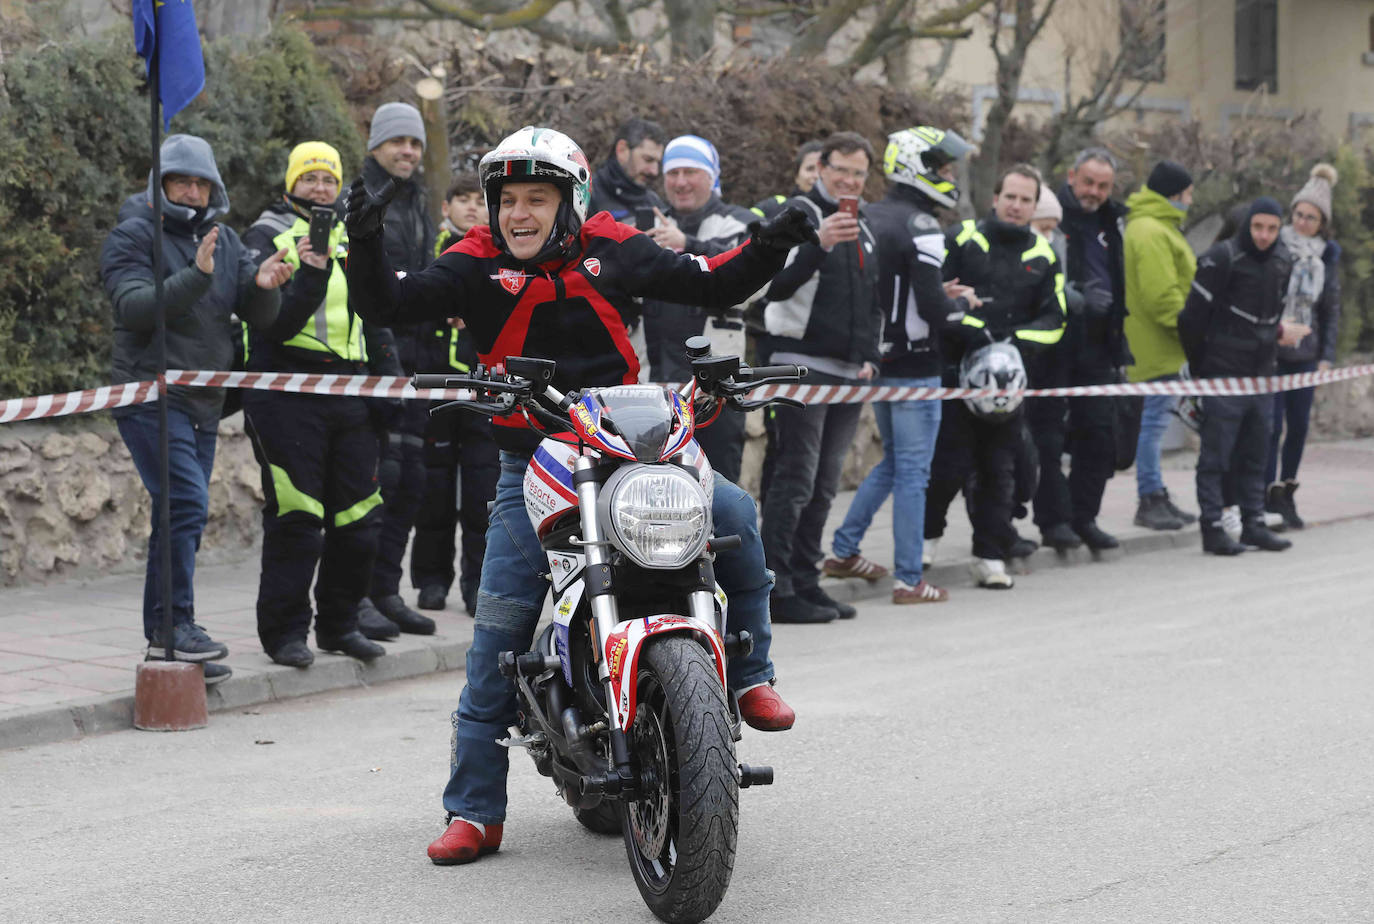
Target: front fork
<point>605,617</point>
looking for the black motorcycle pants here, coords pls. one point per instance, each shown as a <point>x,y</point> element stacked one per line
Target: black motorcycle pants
<point>461,469</point>
<point>979,457</point>
<point>1235,449</point>
<point>318,455</point>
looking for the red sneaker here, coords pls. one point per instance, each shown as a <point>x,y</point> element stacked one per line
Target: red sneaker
<point>762,708</point>
<point>464,842</point>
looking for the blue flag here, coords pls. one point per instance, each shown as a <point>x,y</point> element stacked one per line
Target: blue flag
<point>169,26</point>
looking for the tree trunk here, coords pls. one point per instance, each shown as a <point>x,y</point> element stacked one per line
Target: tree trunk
<point>691,28</point>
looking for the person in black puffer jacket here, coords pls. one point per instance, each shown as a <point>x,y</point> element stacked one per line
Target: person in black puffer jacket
<point>395,145</point>
<point>1232,325</point>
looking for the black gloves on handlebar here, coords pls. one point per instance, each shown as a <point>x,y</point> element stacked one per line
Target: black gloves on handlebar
<point>364,210</point>
<point>785,230</point>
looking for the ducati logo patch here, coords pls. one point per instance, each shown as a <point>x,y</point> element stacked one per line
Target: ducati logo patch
<point>593,265</point>
<point>511,280</point>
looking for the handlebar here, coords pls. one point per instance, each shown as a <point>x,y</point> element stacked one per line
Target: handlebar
<point>754,373</point>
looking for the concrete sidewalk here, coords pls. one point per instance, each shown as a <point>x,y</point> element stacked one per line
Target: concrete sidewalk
<point>68,650</point>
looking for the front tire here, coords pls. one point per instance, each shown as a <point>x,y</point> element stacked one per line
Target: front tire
<point>603,819</point>
<point>680,833</point>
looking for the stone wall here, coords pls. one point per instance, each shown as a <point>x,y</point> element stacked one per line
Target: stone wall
<point>72,504</point>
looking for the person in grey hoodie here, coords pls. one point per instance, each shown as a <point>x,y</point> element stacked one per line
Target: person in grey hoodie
<point>208,278</point>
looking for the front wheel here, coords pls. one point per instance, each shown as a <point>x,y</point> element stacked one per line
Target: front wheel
<point>680,833</point>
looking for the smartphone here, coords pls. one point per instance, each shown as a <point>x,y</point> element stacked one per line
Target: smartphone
<point>321,223</point>
<point>644,219</point>
<point>850,205</point>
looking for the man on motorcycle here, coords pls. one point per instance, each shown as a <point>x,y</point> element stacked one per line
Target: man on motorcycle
<point>545,280</point>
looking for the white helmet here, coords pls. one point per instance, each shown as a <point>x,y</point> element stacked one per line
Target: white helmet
<point>1188,407</point>
<point>539,155</point>
<point>997,365</point>
<point>915,155</point>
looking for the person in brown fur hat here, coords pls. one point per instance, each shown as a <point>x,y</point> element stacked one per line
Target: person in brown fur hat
<point>1313,298</point>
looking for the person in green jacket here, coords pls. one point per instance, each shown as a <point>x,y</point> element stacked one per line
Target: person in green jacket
<point>1159,272</point>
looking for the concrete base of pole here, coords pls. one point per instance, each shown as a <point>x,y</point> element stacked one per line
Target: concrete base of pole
<point>170,696</point>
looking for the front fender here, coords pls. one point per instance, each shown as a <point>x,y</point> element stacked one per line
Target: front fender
<point>622,648</point>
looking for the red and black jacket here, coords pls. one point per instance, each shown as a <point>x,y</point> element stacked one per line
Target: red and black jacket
<point>569,312</point>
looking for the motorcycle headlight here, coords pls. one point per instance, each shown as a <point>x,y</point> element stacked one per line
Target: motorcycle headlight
<point>658,515</point>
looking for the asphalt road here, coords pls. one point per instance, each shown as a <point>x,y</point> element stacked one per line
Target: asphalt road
<point>1165,738</point>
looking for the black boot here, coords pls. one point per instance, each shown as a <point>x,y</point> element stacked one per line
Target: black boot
<point>353,644</point>
<point>819,597</point>
<point>1094,537</point>
<point>1021,547</point>
<point>1255,533</point>
<point>294,654</point>
<point>1215,541</point>
<point>432,597</point>
<point>1280,501</point>
<point>1060,537</point>
<point>793,609</point>
<point>406,619</point>
<point>1185,516</point>
<point>373,624</point>
<point>1154,512</point>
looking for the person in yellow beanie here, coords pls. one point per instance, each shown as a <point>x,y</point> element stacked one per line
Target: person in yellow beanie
<point>318,453</point>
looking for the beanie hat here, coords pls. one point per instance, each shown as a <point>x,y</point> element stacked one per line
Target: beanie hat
<point>1266,205</point>
<point>693,151</point>
<point>312,155</point>
<point>395,120</point>
<point>1048,206</point>
<point>1169,179</point>
<point>1318,189</point>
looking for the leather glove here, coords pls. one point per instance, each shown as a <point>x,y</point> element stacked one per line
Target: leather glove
<point>785,230</point>
<point>364,210</point>
<point>974,337</point>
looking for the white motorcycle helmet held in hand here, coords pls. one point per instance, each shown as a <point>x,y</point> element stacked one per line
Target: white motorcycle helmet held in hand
<point>999,366</point>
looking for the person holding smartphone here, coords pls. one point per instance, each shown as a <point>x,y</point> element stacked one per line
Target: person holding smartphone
<point>823,312</point>
<point>318,452</point>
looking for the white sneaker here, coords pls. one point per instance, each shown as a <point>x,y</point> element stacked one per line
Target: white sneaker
<point>1230,522</point>
<point>991,573</point>
<point>928,549</point>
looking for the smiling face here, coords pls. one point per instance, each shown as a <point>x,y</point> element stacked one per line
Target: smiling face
<point>526,216</point>
<point>399,156</point>
<point>687,188</point>
<point>1015,204</point>
<point>1092,183</point>
<point>640,162</point>
<point>317,186</point>
<point>844,174</point>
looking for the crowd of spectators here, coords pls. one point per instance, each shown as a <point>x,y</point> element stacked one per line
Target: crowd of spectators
<point>1048,285</point>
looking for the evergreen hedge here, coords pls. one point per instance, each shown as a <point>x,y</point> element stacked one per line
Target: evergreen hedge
<point>74,140</point>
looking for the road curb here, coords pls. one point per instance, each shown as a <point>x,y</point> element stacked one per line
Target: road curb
<point>251,685</point>
<point>261,681</point>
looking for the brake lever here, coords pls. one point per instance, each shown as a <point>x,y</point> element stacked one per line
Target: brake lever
<point>742,405</point>
<point>500,404</point>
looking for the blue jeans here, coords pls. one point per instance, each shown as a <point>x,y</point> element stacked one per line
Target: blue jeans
<point>508,607</point>
<point>1154,420</point>
<point>908,429</point>
<point>191,457</point>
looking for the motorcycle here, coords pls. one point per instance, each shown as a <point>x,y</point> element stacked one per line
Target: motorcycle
<point>623,702</point>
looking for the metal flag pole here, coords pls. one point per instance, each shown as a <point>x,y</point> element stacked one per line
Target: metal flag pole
<point>163,446</point>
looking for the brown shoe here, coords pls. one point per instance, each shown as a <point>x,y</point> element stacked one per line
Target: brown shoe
<point>923,592</point>
<point>855,566</point>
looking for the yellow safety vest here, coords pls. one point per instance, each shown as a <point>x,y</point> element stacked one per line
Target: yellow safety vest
<point>332,328</point>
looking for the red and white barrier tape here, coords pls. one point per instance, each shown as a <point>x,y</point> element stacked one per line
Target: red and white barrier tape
<point>391,386</point>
